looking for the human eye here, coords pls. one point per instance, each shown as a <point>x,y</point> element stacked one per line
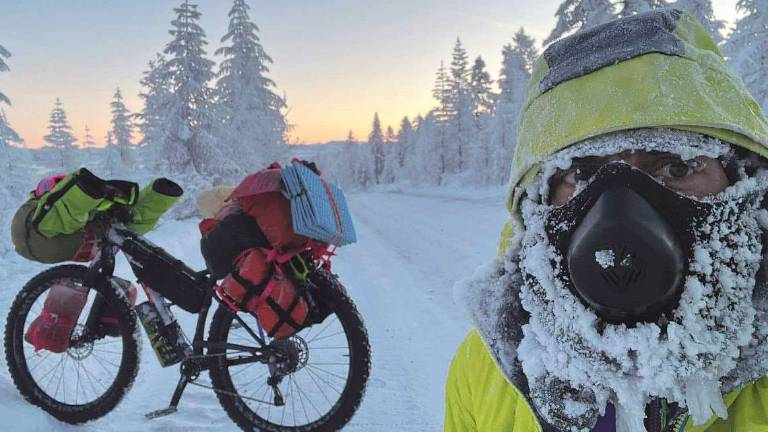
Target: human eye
<point>677,169</point>
<point>578,172</point>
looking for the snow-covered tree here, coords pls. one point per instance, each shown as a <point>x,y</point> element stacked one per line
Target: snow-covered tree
<point>252,112</point>
<point>441,92</point>
<point>526,45</point>
<point>185,132</point>
<point>404,140</point>
<point>513,81</point>
<point>702,10</point>
<point>88,140</point>
<point>480,88</point>
<point>461,111</point>
<point>111,165</point>
<point>376,143</point>
<point>8,136</point>
<point>747,48</point>
<point>391,163</point>
<point>122,128</point>
<point>424,165</point>
<point>60,135</point>
<point>574,15</point>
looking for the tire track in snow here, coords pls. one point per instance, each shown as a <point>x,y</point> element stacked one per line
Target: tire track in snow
<point>411,250</point>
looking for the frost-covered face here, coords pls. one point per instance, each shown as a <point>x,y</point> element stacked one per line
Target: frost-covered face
<point>712,342</point>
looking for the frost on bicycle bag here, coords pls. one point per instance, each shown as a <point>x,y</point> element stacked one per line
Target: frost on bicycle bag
<point>274,227</point>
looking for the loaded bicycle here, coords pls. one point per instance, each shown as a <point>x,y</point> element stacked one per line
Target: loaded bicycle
<point>313,380</point>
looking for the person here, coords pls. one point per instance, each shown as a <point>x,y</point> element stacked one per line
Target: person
<point>630,291</point>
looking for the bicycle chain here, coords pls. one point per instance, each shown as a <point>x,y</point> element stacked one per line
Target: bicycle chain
<point>226,392</point>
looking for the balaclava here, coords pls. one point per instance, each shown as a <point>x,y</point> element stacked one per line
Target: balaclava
<point>566,348</point>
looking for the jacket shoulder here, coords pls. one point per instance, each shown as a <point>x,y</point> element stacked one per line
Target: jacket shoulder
<point>479,397</point>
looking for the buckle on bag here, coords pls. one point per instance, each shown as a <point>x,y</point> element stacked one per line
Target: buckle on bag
<point>299,268</point>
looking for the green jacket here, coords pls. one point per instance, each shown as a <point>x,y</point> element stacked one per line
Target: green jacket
<point>659,69</point>
<point>479,398</point>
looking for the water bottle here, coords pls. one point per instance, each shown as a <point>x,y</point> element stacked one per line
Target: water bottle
<point>164,333</point>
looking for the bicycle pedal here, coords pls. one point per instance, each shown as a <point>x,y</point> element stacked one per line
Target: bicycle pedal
<point>161,413</point>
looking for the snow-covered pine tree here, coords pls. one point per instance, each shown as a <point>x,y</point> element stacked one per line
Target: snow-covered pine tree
<point>424,165</point>
<point>441,92</point>
<point>404,138</point>
<point>512,84</point>
<point>460,111</point>
<point>391,164</point>
<point>376,146</point>
<point>122,129</point>
<point>526,45</point>
<point>747,48</point>
<point>575,15</point>
<point>702,10</point>
<point>187,139</point>
<point>480,88</point>
<point>60,136</point>
<point>483,102</point>
<point>8,136</point>
<point>253,125</point>
<point>88,140</point>
<point>152,119</point>
<point>111,164</point>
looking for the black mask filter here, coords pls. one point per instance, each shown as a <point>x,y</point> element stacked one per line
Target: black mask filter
<point>626,240</point>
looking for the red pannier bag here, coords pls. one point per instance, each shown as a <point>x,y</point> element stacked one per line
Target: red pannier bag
<point>259,286</point>
<point>53,328</point>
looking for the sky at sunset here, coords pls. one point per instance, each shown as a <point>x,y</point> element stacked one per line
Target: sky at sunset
<point>337,61</point>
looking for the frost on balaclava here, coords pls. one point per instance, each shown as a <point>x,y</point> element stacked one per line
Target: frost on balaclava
<point>569,363</point>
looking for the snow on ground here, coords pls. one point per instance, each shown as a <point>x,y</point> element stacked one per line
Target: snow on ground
<point>413,245</point>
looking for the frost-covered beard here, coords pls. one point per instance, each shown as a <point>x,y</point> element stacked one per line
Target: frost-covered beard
<point>575,363</point>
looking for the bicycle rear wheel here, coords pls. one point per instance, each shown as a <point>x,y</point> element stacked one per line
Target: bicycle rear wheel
<point>89,378</point>
<point>322,381</point>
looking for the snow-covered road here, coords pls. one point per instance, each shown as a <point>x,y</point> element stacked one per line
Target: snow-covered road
<point>412,247</point>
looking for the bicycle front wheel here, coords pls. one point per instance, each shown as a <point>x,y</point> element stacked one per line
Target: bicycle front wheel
<point>320,381</point>
<point>86,376</point>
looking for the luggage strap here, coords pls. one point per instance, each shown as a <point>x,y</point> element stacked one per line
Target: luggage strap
<point>263,290</point>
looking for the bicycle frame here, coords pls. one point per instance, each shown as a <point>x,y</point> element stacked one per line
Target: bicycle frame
<point>101,270</point>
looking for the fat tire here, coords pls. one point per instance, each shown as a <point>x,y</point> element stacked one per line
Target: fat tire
<point>14,352</point>
<point>333,294</point>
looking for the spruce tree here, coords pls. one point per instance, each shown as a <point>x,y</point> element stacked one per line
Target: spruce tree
<point>60,135</point>
<point>391,165</point>
<point>187,142</point>
<point>480,88</point>
<point>460,110</point>
<point>112,160</point>
<point>88,140</point>
<point>404,138</point>
<point>513,81</point>
<point>526,45</point>
<point>254,126</point>
<point>8,136</point>
<point>747,48</point>
<point>122,128</point>
<point>376,143</point>
<point>441,92</point>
